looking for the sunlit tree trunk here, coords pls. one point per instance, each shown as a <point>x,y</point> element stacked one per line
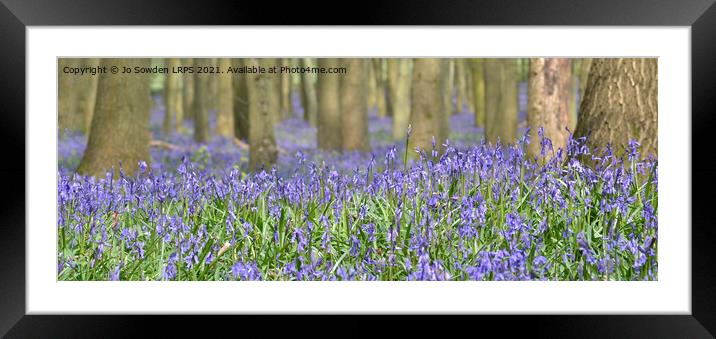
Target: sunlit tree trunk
<point>501,102</point>
<point>400,94</point>
<point>329,110</point>
<point>173,101</point>
<point>241,102</point>
<point>262,142</point>
<point>548,103</point>
<point>120,125</point>
<point>354,113</point>
<point>426,103</point>
<point>478,86</point>
<point>201,101</point>
<point>225,110</point>
<point>308,94</point>
<point>621,103</point>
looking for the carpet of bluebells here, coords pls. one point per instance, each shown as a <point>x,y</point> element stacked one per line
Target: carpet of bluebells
<point>475,212</point>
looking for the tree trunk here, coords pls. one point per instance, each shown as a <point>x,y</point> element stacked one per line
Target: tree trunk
<point>69,116</point>
<point>213,88</point>
<point>329,110</point>
<point>241,102</point>
<point>174,102</point>
<point>371,95</point>
<point>548,103</point>
<point>447,88</point>
<point>353,105</point>
<point>478,86</point>
<point>286,108</point>
<point>380,102</point>
<point>461,85</point>
<point>262,142</point>
<point>120,125</point>
<point>426,103</point>
<point>274,89</point>
<point>501,101</point>
<point>400,96</point>
<point>188,90</point>
<point>573,88</point>
<point>621,103</point>
<point>88,97</point>
<point>308,97</point>
<point>225,110</point>
<point>201,101</point>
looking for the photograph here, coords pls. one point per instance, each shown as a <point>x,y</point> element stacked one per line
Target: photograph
<point>357,169</point>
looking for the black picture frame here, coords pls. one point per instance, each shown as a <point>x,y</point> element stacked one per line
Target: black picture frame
<point>15,15</point>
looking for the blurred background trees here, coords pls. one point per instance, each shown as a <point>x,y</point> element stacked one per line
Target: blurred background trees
<point>612,100</point>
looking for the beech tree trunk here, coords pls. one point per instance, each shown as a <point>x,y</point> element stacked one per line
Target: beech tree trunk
<point>548,103</point>
<point>308,94</point>
<point>447,89</point>
<point>380,102</point>
<point>120,124</point>
<point>400,96</point>
<point>426,103</point>
<point>621,103</point>
<point>225,111</point>
<point>88,97</point>
<point>478,85</point>
<point>354,112</point>
<point>173,100</point>
<point>286,108</point>
<point>201,101</point>
<point>241,102</point>
<point>329,110</point>
<point>461,85</point>
<point>501,102</point>
<point>262,142</point>
<point>68,100</point>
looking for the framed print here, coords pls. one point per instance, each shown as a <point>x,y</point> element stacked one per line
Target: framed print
<point>482,161</point>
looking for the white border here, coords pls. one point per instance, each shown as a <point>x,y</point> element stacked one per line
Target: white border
<point>670,294</point>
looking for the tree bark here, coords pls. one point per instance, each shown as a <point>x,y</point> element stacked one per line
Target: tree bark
<point>262,142</point>
<point>286,108</point>
<point>548,104</point>
<point>120,125</point>
<point>201,101</point>
<point>174,101</point>
<point>621,103</point>
<point>380,102</point>
<point>241,102</point>
<point>354,112</point>
<point>400,96</point>
<point>447,88</point>
<point>68,101</point>
<point>501,101</point>
<point>225,110</point>
<point>461,85</point>
<point>426,103</point>
<point>329,110</point>
<point>478,86</point>
<point>308,94</point>
<point>89,95</point>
